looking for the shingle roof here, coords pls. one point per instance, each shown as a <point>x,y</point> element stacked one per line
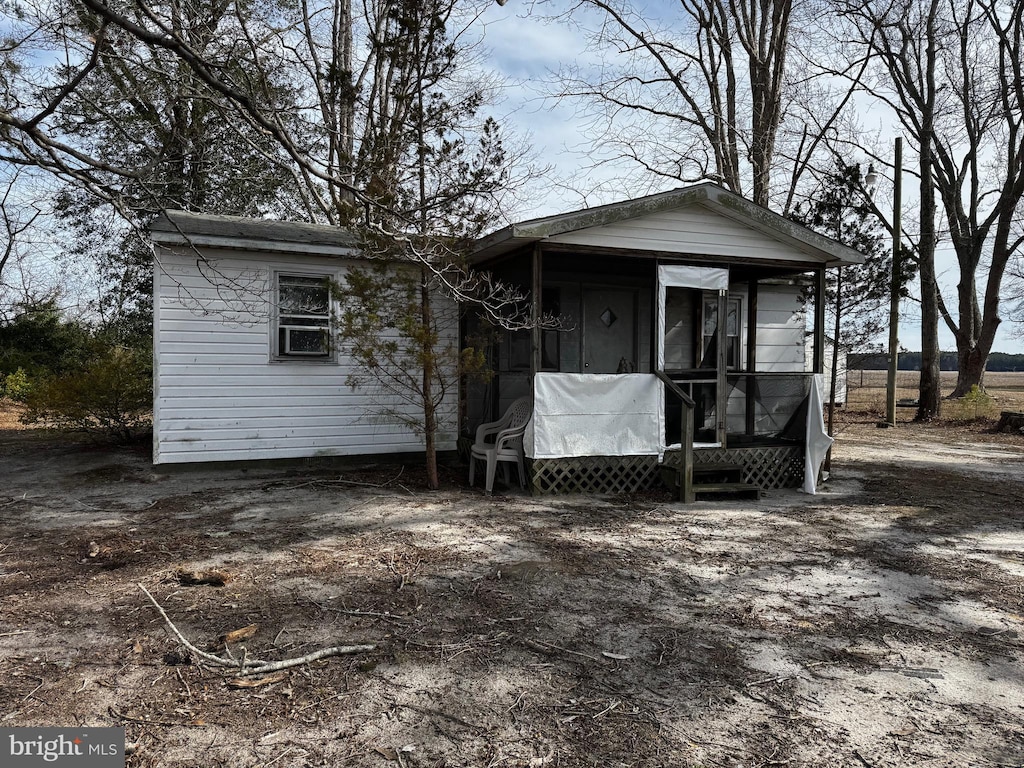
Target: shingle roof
<point>182,228</point>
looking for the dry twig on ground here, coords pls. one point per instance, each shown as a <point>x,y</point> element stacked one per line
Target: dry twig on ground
<point>247,666</point>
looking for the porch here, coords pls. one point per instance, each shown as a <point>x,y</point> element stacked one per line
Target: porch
<point>617,433</point>
<point>689,337</point>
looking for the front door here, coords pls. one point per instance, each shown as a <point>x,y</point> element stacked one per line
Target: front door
<point>609,330</point>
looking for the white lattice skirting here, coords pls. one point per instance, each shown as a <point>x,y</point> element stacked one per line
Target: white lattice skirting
<point>594,474</point>
<point>767,466</point>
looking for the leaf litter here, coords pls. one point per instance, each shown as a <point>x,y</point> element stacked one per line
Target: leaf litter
<point>878,623</point>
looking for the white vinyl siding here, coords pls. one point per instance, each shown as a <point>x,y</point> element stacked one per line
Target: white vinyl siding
<point>781,329</point>
<point>220,394</point>
<point>690,230</point>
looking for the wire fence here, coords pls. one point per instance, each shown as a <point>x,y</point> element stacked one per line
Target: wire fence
<point>877,379</point>
<point>866,390</point>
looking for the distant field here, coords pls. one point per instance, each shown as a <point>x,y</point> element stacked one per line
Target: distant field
<point>1006,390</point>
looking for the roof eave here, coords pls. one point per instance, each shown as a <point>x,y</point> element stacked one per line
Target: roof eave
<point>170,240</point>
<point>172,229</point>
<point>829,251</point>
<point>611,213</point>
<point>503,241</point>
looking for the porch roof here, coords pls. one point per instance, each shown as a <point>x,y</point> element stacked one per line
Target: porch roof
<point>806,246</point>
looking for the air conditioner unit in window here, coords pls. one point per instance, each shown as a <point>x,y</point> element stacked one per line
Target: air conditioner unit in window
<point>304,341</point>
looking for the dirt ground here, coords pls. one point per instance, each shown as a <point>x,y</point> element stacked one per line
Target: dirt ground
<point>879,623</point>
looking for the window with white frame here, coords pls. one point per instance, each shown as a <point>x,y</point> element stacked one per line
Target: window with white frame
<point>303,317</point>
<point>709,338</point>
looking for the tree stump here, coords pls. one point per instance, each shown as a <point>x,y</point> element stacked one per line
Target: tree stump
<point>1011,421</point>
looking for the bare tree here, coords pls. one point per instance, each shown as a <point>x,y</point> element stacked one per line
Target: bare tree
<point>132,131</point>
<point>17,220</point>
<point>723,90</point>
<point>953,73</point>
<point>333,120</point>
<point>384,138</point>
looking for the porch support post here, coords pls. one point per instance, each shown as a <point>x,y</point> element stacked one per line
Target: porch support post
<point>819,323</point>
<point>751,353</point>
<point>722,399</point>
<point>536,311</point>
<point>686,494</point>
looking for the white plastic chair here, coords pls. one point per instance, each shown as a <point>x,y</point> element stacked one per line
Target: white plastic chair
<point>502,440</point>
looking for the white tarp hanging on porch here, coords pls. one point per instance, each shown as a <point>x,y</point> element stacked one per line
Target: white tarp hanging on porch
<point>818,441</point>
<point>682,276</point>
<point>582,414</point>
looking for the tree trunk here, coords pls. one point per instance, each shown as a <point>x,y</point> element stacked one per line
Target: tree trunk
<point>765,41</point>
<point>929,392</point>
<point>1011,421</point>
<point>971,371</point>
<point>428,341</point>
<point>973,351</point>
<point>429,361</point>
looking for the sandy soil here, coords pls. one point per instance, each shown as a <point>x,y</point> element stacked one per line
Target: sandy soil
<point>878,623</point>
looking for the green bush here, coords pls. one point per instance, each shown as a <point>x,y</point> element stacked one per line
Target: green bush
<point>41,341</point>
<point>974,406</point>
<point>111,394</point>
<point>17,386</point>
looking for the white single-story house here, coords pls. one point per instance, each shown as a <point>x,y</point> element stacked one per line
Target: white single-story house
<point>640,354</point>
<point>243,364</point>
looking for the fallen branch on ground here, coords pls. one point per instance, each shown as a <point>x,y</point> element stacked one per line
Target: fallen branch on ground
<point>549,648</point>
<point>339,481</point>
<point>782,678</point>
<point>250,666</point>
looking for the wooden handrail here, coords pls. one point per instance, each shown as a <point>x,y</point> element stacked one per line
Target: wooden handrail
<point>686,494</point>
<point>769,374</point>
<point>676,390</point>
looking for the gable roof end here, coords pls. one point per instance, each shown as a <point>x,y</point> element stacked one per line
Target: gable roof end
<point>707,195</point>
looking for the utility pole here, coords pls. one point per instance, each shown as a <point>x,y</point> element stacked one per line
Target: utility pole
<point>834,372</point>
<point>894,289</point>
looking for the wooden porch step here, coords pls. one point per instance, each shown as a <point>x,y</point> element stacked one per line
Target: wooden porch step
<point>722,472</point>
<point>707,491</point>
<point>713,480</point>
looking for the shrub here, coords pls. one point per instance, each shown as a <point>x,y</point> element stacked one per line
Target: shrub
<point>974,406</point>
<point>17,386</point>
<point>40,340</point>
<point>111,395</point>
